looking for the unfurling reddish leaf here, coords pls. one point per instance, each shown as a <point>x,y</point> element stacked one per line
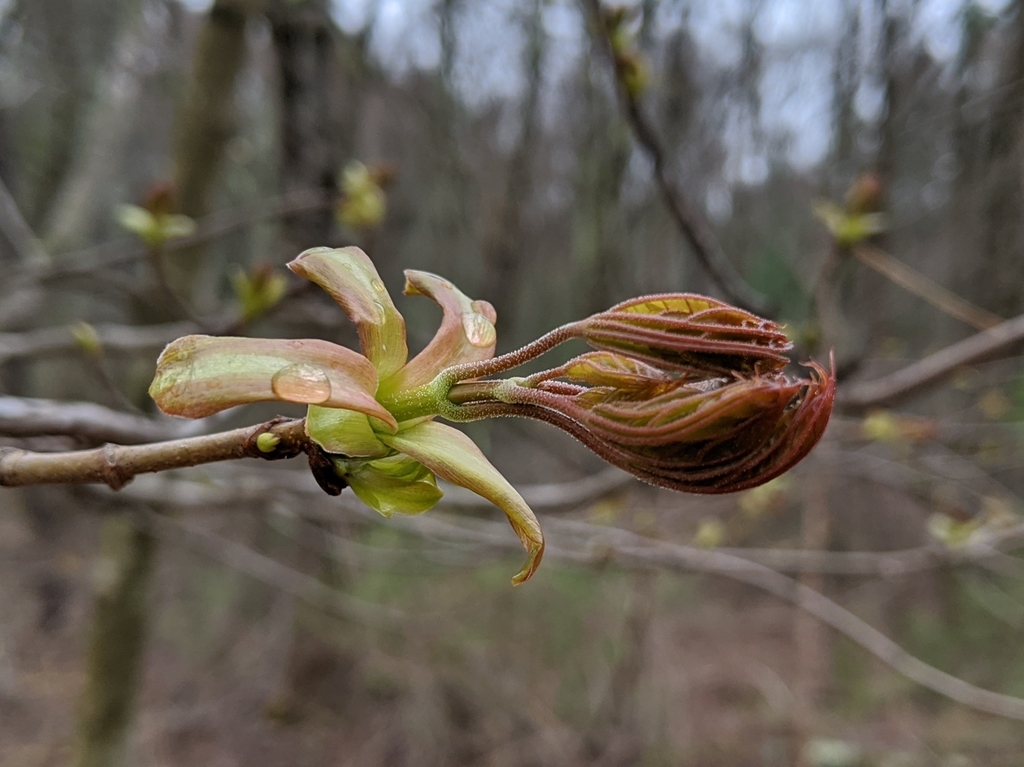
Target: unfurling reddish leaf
<point>683,432</point>
<point>687,332</point>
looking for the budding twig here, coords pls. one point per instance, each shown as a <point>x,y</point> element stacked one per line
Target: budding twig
<point>117,465</point>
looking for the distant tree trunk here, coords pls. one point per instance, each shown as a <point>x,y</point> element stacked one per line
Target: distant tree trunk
<point>810,636</point>
<point>1000,274</point>
<point>856,286</point>
<point>116,643</point>
<point>893,33</point>
<point>205,125</point>
<point>505,253</point>
<point>969,126</point>
<point>310,78</point>
<point>72,213</point>
<point>845,81</point>
<point>602,156</point>
<point>59,17</point>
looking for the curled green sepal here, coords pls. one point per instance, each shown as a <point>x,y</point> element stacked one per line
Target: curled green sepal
<point>466,334</point>
<point>396,484</point>
<point>454,457</point>
<point>350,278</point>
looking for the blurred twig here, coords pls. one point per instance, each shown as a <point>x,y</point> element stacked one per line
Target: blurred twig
<point>811,646</point>
<point>589,544</point>
<point>691,224</point>
<point>997,342</point>
<point>116,254</point>
<point>27,417</point>
<point>116,338</point>
<point>554,495</point>
<point>924,288</point>
<point>29,249</point>
<point>249,487</point>
<point>635,550</point>
<point>132,338</point>
<point>243,559</point>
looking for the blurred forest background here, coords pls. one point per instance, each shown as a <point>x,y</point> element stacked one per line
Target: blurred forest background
<point>859,163</point>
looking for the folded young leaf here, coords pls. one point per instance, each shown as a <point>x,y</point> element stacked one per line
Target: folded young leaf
<point>689,333</point>
<point>197,376</point>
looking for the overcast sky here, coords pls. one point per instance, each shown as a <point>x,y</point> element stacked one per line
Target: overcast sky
<point>798,38</point>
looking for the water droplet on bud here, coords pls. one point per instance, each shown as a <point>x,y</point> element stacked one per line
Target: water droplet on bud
<point>301,383</point>
<point>479,330</point>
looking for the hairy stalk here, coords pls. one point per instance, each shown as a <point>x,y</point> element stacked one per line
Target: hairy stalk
<point>436,397</point>
<point>490,367</point>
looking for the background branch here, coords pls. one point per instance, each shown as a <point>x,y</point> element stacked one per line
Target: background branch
<point>115,338</point>
<point>116,254</point>
<point>1003,340</point>
<point>913,281</point>
<point>586,544</point>
<point>29,249</point>
<point>28,417</point>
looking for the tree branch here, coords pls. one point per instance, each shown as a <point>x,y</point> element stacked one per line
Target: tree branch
<point>914,282</point>
<point>631,548</point>
<point>117,465</point>
<point>638,551</point>
<point>29,249</point>
<point>551,496</point>
<point>690,223</point>
<point>998,342</point>
<point>588,544</point>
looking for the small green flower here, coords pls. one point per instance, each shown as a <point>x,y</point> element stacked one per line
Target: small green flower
<point>390,462</point>
<point>258,290</point>
<point>154,228</point>
<point>363,202</point>
<point>848,228</point>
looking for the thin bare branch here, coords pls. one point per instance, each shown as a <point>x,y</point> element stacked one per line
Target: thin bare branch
<point>239,557</point>
<point>117,465</point>
<point>634,549</point>
<point>588,544</point>
<point>135,338</point>
<point>250,487</point>
<point>1003,340</point>
<point>688,220</point>
<point>924,288</point>
<point>29,249</point>
<point>551,496</point>
<point>122,252</point>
